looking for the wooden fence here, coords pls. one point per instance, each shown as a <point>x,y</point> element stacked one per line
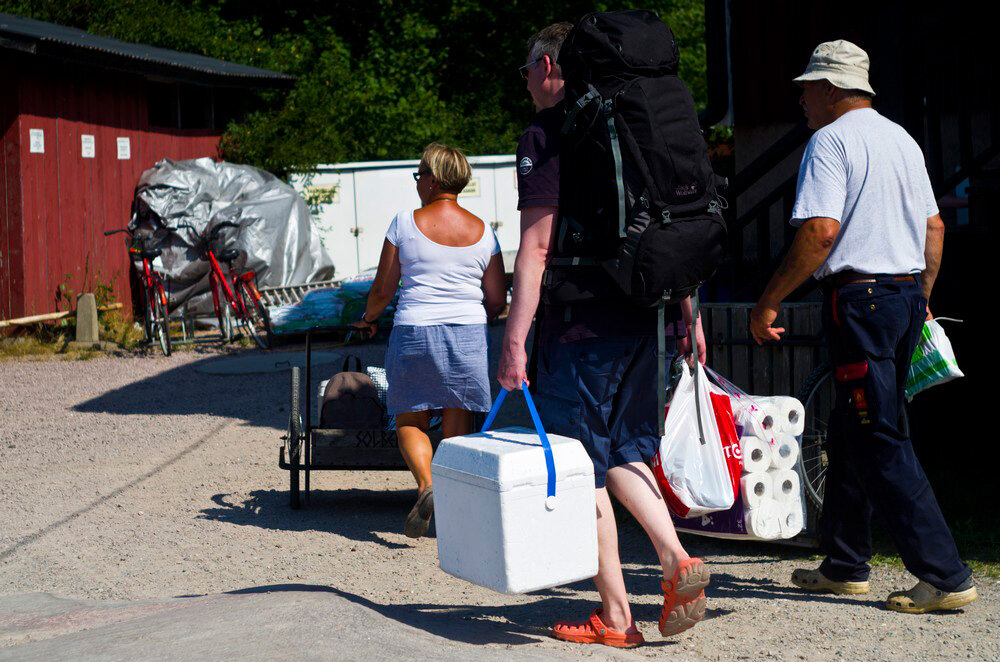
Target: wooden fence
<point>772,369</point>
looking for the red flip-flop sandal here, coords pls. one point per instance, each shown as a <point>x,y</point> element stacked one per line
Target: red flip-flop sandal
<point>684,597</point>
<point>594,631</point>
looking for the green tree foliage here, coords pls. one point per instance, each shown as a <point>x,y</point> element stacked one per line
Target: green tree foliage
<point>377,79</point>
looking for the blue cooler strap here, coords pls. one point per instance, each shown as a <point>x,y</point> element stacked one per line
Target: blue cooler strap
<point>494,410</point>
<point>550,464</point>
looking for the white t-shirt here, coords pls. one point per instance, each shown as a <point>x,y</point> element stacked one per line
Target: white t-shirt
<point>868,173</point>
<point>440,284</point>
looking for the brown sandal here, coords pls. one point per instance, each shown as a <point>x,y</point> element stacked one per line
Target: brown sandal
<point>419,519</point>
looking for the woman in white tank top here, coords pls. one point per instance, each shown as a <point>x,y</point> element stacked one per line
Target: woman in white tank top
<point>452,280</point>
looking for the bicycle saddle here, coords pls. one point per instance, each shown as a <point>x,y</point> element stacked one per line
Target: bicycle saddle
<point>228,255</point>
<point>150,253</point>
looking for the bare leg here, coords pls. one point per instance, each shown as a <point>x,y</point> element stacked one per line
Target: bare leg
<point>455,422</point>
<point>616,613</point>
<point>415,446</point>
<point>635,487</point>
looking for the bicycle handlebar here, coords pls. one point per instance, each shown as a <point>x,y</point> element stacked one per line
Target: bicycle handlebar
<point>108,233</point>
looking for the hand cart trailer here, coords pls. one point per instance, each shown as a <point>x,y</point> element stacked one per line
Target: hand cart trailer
<point>309,448</point>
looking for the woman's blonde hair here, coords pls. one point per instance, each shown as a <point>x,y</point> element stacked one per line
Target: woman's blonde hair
<point>448,165</point>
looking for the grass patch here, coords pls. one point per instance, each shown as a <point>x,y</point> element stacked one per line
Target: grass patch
<point>28,346</point>
<point>115,328</point>
<point>979,568</point>
<point>978,541</point>
<point>47,339</point>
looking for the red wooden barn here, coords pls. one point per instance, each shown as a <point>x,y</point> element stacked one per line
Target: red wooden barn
<point>81,117</point>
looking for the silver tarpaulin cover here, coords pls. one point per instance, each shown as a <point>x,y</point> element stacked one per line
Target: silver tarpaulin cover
<point>276,238</point>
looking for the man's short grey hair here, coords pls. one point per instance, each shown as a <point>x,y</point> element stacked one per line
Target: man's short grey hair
<point>548,42</point>
<point>857,95</point>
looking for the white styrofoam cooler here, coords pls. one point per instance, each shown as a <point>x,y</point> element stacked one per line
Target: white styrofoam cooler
<point>495,526</point>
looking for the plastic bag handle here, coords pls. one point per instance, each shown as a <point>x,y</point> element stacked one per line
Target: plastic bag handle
<point>550,464</point>
<point>347,364</point>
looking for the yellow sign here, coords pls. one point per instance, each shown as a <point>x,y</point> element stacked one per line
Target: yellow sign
<point>322,194</point>
<point>471,189</point>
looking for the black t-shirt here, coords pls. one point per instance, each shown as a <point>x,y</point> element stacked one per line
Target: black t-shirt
<point>538,160</point>
<point>538,186</point>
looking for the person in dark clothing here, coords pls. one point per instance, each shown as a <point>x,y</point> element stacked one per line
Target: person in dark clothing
<point>871,234</point>
<point>596,379</point>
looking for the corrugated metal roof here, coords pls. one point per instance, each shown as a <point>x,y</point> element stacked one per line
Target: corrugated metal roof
<point>41,38</point>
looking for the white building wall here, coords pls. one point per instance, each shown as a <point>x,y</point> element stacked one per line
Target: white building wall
<point>352,226</point>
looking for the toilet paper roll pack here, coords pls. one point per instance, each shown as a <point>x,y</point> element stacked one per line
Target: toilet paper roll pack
<point>790,518</point>
<point>752,419</point>
<point>755,453</point>
<point>756,488</point>
<point>784,452</point>
<point>771,521</point>
<point>787,413</point>
<point>793,416</point>
<point>785,486</point>
<point>763,521</point>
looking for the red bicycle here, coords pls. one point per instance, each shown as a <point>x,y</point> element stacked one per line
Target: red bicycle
<point>238,290</point>
<point>154,296</point>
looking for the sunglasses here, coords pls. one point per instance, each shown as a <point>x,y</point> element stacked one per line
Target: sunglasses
<point>523,69</point>
<point>417,174</point>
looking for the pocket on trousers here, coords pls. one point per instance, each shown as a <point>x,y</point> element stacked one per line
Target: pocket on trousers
<point>877,324</point>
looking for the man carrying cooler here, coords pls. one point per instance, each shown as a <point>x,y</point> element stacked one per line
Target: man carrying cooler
<point>871,234</point>
<point>596,380</point>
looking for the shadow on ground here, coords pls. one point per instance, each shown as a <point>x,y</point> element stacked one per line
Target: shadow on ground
<point>355,514</point>
<point>260,398</point>
<point>510,625</point>
<point>259,391</point>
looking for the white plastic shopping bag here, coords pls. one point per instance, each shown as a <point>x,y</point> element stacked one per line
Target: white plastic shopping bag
<point>692,464</point>
<point>933,360</point>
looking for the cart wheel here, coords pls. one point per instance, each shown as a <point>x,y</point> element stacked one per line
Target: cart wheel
<point>294,440</point>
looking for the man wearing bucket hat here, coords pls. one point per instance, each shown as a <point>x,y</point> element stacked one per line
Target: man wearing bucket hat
<point>870,232</point>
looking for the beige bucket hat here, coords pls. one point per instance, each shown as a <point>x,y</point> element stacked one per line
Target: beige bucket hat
<point>842,63</point>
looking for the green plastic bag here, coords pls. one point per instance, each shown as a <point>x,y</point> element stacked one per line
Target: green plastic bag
<point>933,361</point>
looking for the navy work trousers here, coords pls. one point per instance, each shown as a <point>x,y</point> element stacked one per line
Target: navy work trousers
<point>872,329</point>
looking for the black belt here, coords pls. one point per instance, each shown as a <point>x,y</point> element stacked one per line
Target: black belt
<point>849,277</point>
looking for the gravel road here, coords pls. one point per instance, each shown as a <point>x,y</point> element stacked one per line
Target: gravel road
<point>139,477</point>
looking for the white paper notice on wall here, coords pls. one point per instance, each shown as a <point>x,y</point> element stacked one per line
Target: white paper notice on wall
<point>124,149</point>
<point>36,141</point>
<point>87,146</point>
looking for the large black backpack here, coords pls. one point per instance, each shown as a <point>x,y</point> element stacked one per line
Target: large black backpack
<point>638,208</point>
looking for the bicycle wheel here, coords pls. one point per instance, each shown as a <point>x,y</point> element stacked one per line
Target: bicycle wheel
<point>150,315</point>
<point>818,396</point>
<point>161,321</point>
<point>257,321</point>
<point>221,308</point>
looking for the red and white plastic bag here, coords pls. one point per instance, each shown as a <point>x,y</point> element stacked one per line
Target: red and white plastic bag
<point>698,466</point>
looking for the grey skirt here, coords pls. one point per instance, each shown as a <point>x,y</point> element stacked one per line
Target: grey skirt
<point>437,367</point>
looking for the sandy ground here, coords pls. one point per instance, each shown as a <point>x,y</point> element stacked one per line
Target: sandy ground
<point>139,477</point>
